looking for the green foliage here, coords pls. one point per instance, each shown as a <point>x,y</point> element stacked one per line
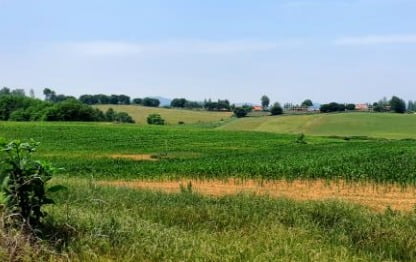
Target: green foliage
<point>301,139</point>
<point>397,105</point>
<point>151,102</point>
<point>24,184</point>
<point>139,225</point>
<point>307,103</point>
<point>350,107</point>
<point>155,119</point>
<point>240,112</point>
<point>332,107</point>
<point>276,109</point>
<point>265,102</point>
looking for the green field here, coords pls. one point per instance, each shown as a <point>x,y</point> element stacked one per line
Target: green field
<point>383,125</point>
<point>86,149</point>
<point>172,116</point>
<point>95,222</point>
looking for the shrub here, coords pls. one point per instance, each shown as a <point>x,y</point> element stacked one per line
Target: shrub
<point>123,117</point>
<point>23,184</point>
<point>276,109</point>
<point>155,119</point>
<point>240,112</point>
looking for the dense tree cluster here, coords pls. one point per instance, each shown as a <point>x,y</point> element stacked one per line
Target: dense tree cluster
<point>332,107</point>
<point>147,101</point>
<point>15,106</point>
<point>102,99</point>
<point>184,103</point>
<point>220,105</point>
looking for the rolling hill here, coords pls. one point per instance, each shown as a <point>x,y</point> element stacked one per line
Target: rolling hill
<point>384,125</point>
<point>172,116</point>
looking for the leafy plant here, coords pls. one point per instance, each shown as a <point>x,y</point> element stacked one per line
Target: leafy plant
<point>155,119</point>
<point>23,184</point>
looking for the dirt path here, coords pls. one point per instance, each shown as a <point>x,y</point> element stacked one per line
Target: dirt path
<point>378,197</point>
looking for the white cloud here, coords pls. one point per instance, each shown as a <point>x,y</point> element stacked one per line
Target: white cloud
<point>377,40</point>
<point>114,48</point>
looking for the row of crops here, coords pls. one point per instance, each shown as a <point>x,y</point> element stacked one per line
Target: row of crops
<point>86,149</point>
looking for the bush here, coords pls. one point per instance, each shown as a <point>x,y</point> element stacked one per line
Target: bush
<point>276,109</point>
<point>123,117</point>
<point>240,112</point>
<point>155,119</point>
<point>24,184</point>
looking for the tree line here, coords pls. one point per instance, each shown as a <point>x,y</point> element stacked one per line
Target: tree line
<point>16,106</point>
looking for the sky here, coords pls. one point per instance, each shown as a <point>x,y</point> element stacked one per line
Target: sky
<point>326,50</point>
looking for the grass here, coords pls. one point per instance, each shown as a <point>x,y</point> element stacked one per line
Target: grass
<point>383,125</point>
<point>94,223</point>
<point>172,116</point>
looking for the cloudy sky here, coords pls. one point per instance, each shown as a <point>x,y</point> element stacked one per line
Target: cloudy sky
<point>326,50</point>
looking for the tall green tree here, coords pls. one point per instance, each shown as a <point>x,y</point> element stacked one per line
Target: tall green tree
<point>265,102</point>
<point>397,105</point>
<point>307,102</point>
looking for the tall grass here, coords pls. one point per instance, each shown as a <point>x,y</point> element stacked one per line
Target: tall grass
<point>103,223</point>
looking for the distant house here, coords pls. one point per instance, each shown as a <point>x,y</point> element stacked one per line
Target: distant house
<point>361,107</point>
<point>257,108</point>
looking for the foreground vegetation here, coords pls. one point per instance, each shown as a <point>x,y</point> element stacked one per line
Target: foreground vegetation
<point>94,149</point>
<point>95,223</point>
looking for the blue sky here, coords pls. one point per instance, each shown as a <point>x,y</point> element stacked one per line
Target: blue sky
<point>326,50</point>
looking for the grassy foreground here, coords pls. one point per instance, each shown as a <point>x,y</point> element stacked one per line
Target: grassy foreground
<point>94,223</point>
<point>384,125</point>
<point>172,116</point>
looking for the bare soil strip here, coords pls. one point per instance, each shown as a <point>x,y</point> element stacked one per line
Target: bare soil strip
<point>375,196</point>
<point>137,157</point>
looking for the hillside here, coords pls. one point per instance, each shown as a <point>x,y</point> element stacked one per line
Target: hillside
<point>172,116</point>
<point>344,124</point>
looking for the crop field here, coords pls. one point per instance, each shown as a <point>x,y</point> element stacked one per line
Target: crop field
<point>197,193</point>
<point>343,124</point>
<point>172,116</point>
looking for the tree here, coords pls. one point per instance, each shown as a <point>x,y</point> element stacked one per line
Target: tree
<point>411,106</point>
<point>397,105</point>
<point>178,102</point>
<point>307,103</point>
<point>5,91</point>
<point>49,95</point>
<point>151,102</point>
<point>265,102</point>
<point>18,92</point>
<point>137,101</point>
<point>240,112</point>
<point>276,109</point>
<point>350,107</point>
<point>32,93</point>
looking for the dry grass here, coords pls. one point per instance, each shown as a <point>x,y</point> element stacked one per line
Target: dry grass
<point>375,196</point>
<point>136,157</point>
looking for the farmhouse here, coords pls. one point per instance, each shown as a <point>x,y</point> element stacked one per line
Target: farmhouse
<point>257,108</point>
<point>361,107</point>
